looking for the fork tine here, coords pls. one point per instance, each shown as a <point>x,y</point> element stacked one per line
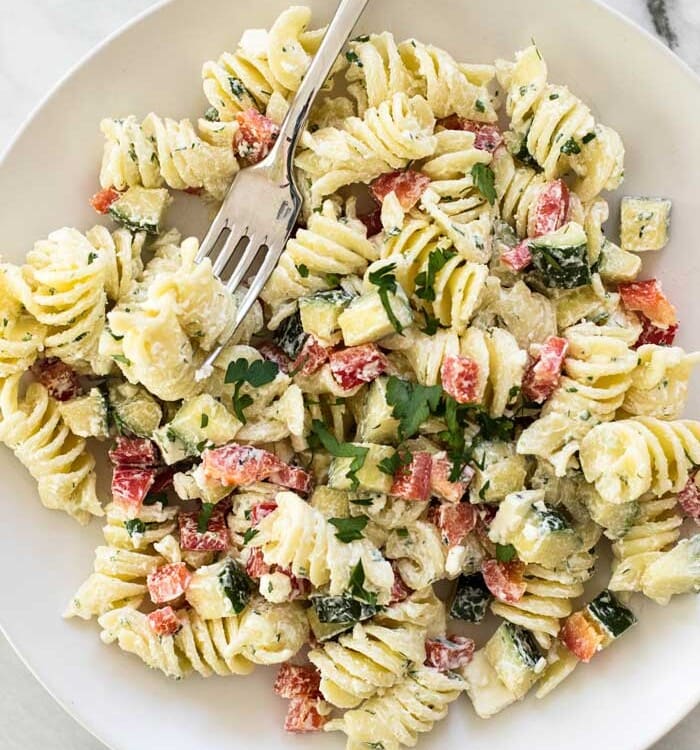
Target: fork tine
<point>261,277</point>
<point>221,222</point>
<point>245,262</point>
<point>227,250</point>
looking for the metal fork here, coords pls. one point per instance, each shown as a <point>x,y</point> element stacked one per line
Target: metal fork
<point>262,205</point>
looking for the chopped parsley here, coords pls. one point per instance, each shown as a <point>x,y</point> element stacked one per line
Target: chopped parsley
<point>413,403</point>
<point>505,552</point>
<point>385,281</point>
<point>588,138</point>
<point>204,420</point>
<point>391,465</point>
<point>352,57</point>
<point>349,529</point>
<point>303,271</point>
<point>571,147</point>
<point>204,516</point>
<point>479,106</point>
<point>258,373</point>
<point>356,586</point>
<point>250,534</point>
<point>425,280</point>
<point>91,258</point>
<point>358,453</point>
<point>134,526</point>
<point>485,181</point>
<point>122,359</point>
<point>236,585</point>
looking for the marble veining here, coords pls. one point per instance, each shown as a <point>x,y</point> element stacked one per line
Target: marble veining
<point>39,41</point>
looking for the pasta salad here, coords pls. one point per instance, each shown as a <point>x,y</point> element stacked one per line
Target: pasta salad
<point>453,394</point>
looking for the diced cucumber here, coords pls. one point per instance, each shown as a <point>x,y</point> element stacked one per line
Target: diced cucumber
<point>141,209</point>
<point>644,223</point>
<point>290,336</point>
<point>324,631</point>
<point>616,265</point>
<point>513,653</point>
<point>133,409</point>
<point>471,598</point>
<point>611,614</point>
<point>616,519</point>
<point>342,609</point>
<point>561,257</point>
<point>201,422</point>
<point>376,423</point>
<point>331,503</point>
<point>516,143</point>
<point>365,319</point>
<point>369,476</point>
<point>674,572</point>
<point>320,312</point>
<point>488,694</point>
<point>86,416</point>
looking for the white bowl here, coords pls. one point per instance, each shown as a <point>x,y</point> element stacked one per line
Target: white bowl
<point>630,694</point>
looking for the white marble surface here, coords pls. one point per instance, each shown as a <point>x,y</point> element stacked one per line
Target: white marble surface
<point>39,41</point>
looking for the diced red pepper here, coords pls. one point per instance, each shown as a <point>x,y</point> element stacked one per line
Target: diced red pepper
<point>450,653</point>
<point>260,510</point>
<point>372,221</point>
<point>130,486</point>
<point>134,452</point>
<point>311,357</point>
<point>488,136</point>
<point>455,521</point>
<point>412,481</point>
<point>294,478</point>
<point>273,353</point>
<point>103,199</point>
<point>163,621</point>
<point>544,372</point>
<point>168,582</point>
<point>399,589</point>
<point>689,500</point>
<point>301,587</point>
<point>295,681</point>
<point>551,209</point>
<point>440,483</point>
<point>255,565</point>
<point>647,297</point>
<point>255,136</point>
<point>215,539</point>
<point>518,258</point>
<point>235,465</point>
<point>652,334</point>
<point>60,380</point>
<point>407,184</point>
<point>304,715</point>
<point>357,365</point>
<point>460,378</point>
<point>505,580</point>
<point>580,637</point>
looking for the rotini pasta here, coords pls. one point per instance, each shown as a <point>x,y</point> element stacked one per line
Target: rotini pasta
<point>419,553</point>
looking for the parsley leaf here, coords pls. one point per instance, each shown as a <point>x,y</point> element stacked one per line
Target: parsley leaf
<point>257,373</point>
<point>303,270</point>
<point>236,585</point>
<point>204,420</point>
<point>571,147</point>
<point>358,453</point>
<point>431,324</point>
<point>356,585</point>
<point>349,529</point>
<point>362,501</point>
<point>413,403</point>
<point>204,516</point>
<point>156,497</point>
<point>485,181</point>
<point>385,280</point>
<point>250,534</point>
<point>505,552</point>
<point>391,465</point>
<point>425,280</point>
<point>588,137</point>
<point>134,526</point>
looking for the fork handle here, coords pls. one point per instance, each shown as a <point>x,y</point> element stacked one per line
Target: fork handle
<point>337,34</point>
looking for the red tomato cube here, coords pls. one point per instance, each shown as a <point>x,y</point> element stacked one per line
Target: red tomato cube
<point>399,589</point>
<point>407,184</point>
<point>647,297</point>
<point>60,380</point>
<point>580,637</point>
<point>460,378</point>
<point>295,681</point>
<point>518,258</point>
<point>440,483</point>
<point>254,137</point>
<point>689,499</point>
<point>652,334</point>
<point>311,357</point>
<point>304,715</point>
<point>412,481</point>
<point>293,477</point>
<point>544,372</point>
<point>260,510</point>
<point>487,136</point>
<point>215,539</point>
<point>255,565</point>
<point>505,580</point>
<point>168,582</point>
<point>130,487</point>
<point>163,621</point>
<point>236,465</point>
<point>357,365</point>
<point>551,209</point>
<point>446,654</point>
<point>135,452</point>
<point>455,521</point>
<point>103,199</point>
